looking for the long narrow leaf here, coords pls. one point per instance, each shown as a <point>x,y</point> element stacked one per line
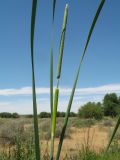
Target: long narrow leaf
<point>51,77</point>
<point>76,79</point>
<point>51,61</point>
<point>113,134</point>
<point>51,82</point>
<point>37,146</point>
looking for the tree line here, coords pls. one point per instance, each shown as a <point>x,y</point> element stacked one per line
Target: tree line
<point>41,115</point>
<point>110,106</point>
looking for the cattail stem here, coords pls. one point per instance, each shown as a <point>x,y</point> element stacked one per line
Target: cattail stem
<point>51,79</point>
<point>54,115</point>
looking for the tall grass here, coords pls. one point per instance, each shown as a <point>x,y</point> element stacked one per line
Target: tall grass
<point>51,61</point>
<point>76,79</point>
<point>56,96</point>
<point>54,105</point>
<point>53,120</point>
<point>37,145</point>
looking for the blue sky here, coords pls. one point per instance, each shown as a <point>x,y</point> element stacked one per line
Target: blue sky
<point>100,68</point>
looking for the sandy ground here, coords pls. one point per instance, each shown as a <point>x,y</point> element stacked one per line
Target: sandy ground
<point>95,138</point>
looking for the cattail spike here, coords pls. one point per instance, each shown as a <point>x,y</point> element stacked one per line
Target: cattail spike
<point>62,42</point>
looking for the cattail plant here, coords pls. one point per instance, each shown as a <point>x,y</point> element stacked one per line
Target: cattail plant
<point>59,66</point>
<point>56,96</point>
<point>37,146</point>
<point>76,79</point>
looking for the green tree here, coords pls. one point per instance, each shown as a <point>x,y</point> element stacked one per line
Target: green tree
<point>44,115</point>
<point>72,114</point>
<point>60,114</point>
<point>111,105</point>
<point>91,110</point>
<point>15,115</point>
<point>5,115</point>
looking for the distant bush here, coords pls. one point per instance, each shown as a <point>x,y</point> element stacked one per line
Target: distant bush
<point>72,114</point>
<point>81,123</point>
<point>5,115</point>
<point>9,115</point>
<point>59,114</point>
<point>44,115</point>
<point>111,105</point>
<point>91,110</point>
<point>10,130</point>
<point>28,116</point>
<point>15,115</point>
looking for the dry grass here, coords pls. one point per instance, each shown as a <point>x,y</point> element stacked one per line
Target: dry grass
<point>94,135</point>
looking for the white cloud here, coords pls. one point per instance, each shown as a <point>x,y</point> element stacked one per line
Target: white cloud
<point>63,90</point>
<point>24,105</point>
<point>3,104</point>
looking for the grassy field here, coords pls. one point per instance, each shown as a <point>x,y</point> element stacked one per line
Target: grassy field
<point>83,138</point>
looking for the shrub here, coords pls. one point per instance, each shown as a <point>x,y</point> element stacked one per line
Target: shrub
<point>60,114</point>
<point>111,105</point>
<point>28,116</point>
<point>15,115</point>
<point>72,114</point>
<point>91,110</point>
<point>9,115</point>
<point>44,115</point>
<point>5,115</point>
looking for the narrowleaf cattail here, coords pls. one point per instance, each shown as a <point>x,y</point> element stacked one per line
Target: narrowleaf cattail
<point>76,79</point>
<point>36,132</point>
<point>62,42</point>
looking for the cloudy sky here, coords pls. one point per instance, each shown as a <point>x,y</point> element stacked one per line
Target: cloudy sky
<point>100,69</point>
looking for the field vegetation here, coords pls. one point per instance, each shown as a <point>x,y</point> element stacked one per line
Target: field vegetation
<point>84,138</point>
<point>88,135</point>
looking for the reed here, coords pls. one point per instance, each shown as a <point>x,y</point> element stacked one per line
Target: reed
<point>54,105</point>
<point>37,145</point>
<point>113,134</point>
<point>76,79</point>
<point>56,96</point>
<point>51,84</point>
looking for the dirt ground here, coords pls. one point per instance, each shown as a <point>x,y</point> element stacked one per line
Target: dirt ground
<point>95,137</point>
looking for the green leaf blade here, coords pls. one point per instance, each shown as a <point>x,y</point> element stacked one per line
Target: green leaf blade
<point>51,82</point>
<point>36,132</point>
<point>113,134</point>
